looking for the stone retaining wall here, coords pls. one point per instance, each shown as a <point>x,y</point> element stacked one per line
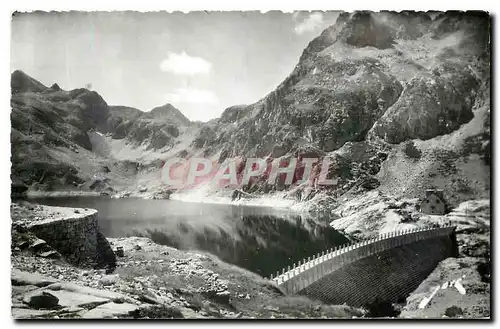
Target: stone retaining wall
<point>77,238</point>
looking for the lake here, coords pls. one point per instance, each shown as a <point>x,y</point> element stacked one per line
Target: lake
<point>260,239</point>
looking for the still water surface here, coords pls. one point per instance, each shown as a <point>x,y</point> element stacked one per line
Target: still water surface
<point>260,239</point>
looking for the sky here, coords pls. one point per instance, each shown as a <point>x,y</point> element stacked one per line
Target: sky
<point>200,62</point>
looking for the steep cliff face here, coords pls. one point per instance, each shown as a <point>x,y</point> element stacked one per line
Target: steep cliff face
<point>440,99</point>
<point>433,104</point>
<point>374,80</point>
<point>325,102</point>
<point>310,109</point>
<point>367,71</point>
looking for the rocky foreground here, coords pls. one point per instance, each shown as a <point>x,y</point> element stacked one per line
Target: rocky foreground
<point>155,281</point>
<point>472,268</point>
<point>149,281</point>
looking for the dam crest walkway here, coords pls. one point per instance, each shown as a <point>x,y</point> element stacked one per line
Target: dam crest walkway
<point>307,272</point>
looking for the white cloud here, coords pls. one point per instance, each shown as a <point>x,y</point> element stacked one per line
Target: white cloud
<point>193,96</point>
<point>310,24</point>
<point>183,64</point>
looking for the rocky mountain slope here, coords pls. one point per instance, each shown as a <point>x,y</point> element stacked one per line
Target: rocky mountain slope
<point>58,136</point>
<point>399,101</point>
<point>363,89</point>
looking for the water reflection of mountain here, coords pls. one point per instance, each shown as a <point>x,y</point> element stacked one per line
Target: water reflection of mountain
<point>261,239</point>
<point>263,243</point>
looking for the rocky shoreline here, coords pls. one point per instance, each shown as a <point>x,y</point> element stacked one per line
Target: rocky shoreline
<point>149,281</point>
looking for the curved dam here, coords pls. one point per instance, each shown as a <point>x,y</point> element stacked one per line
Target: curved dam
<point>383,269</point>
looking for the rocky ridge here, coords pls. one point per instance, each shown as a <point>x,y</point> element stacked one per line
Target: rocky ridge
<point>58,136</point>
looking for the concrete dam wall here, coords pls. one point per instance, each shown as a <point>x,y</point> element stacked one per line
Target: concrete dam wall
<point>386,268</point>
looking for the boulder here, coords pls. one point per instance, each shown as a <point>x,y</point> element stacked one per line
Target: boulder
<point>382,156</point>
<point>370,184</point>
<point>72,287</point>
<point>52,254</point>
<point>27,313</point>
<point>105,257</point>
<point>119,252</point>
<point>453,312</point>
<point>23,244</point>
<point>222,297</point>
<point>109,310</point>
<point>19,278</point>
<point>38,244</point>
<point>163,195</point>
<point>41,300</point>
<point>109,280</point>
<point>22,290</point>
<point>73,299</point>
<point>152,298</point>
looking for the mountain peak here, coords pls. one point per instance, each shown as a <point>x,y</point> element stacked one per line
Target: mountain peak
<point>167,108</point>
<point>55,87</point>
<point>20,82</point>
<point>167,112</point>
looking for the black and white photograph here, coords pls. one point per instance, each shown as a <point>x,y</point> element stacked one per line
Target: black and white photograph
<point>249,165</point>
